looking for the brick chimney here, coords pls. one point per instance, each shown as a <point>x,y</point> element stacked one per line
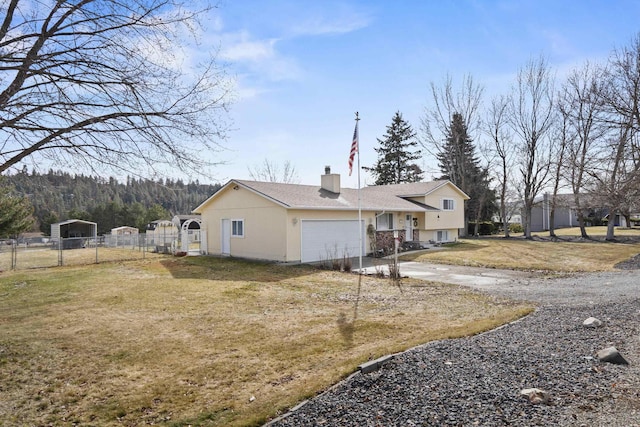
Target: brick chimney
<point>330,181</point>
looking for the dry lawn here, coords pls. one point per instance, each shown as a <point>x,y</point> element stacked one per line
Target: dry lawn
<point>42,256</point>
<point>205,341</point>
<point>566,254</point>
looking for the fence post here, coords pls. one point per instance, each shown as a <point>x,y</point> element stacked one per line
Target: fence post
<point>14,254</point>
<point>60,252</point>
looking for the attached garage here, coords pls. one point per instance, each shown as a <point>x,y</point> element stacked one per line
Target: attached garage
<point>329,239</point>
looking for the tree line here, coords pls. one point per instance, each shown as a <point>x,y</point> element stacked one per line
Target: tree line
<point>56,196</point>
<point>577,133</point>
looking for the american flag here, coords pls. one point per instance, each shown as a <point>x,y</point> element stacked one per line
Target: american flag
<point>354,148</point>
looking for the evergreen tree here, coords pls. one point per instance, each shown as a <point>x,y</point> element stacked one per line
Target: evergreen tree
<point>396,153</point>
<point>15,213</point>
<point>47,219</point>
<point>58,196</point>
<point>459,164</point>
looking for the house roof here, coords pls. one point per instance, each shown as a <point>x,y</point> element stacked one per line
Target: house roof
<point>567,200</point>
<point>376,198</point>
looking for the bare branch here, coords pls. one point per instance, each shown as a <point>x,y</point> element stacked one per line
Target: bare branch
<point>73,73</point>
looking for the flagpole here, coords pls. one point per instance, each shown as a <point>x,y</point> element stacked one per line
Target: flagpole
<point>359,205</point>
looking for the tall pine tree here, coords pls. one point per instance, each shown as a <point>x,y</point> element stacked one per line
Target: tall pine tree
<point>396,154</point>
<point>459,164</point>
<point>15,212</point>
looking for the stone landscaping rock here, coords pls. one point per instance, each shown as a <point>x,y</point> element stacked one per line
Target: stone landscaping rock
<point>592,322</point>
<point>475,380</point>
<point>536,396</point>
<point>611,355</point>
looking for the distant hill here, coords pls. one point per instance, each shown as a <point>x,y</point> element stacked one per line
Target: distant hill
<point>59,195</point>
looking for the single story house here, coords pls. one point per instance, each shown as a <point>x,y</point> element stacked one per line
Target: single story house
<point>566,212</point>
<point>306,223</point>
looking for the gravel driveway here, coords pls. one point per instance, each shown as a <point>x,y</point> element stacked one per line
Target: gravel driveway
<point>477,381</point>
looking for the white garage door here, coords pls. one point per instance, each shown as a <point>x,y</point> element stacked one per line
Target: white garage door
<point>328,239</point>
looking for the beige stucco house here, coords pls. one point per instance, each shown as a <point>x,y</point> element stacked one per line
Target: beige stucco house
<point>306,223</point>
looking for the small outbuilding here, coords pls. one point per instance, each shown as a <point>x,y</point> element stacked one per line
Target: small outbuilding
<point>73,233</point>
<point>123,236</point>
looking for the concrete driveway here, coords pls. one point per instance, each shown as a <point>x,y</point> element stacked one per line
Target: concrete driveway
<point>477,277</point>
<point>567,289</point>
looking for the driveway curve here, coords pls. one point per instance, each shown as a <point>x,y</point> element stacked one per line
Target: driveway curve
<point>567,289</point>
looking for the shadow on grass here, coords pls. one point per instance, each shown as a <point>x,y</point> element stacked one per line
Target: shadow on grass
<point>347,328</point>
<point>214,268</point>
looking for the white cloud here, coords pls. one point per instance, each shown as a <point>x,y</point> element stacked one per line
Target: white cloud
<point>257,61</point>
<point>343,22</point>
<point>257,57</point>
<point>240,47</point>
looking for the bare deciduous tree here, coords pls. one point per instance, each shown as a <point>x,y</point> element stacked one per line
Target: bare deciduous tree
<point>436,121</point>
<point>272,172</point>
<point>107,85</point>
<point>532,114</point>
<point>618,174</point>
<point>503,148</point>
<point>561,138</point>
<point>580,104</point>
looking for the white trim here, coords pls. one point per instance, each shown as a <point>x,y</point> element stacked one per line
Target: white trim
<point>453,204</point>
<point>388,226</point>
<point>241,221</point>
<point>444,233</point>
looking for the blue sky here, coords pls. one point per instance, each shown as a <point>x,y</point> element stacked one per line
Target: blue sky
<point>303,68</point>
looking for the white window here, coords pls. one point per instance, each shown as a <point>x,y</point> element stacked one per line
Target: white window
<point>384,221</point>
<point>237,228</point>
<point>447,204</point>
<point>442,236</point>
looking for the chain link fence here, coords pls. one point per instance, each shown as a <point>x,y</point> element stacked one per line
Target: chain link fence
<point>42,253</point>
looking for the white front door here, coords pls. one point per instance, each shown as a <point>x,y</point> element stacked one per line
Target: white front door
<point>225,236</point>
<point>408,227</point>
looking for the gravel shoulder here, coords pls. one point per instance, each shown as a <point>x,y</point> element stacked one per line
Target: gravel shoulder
<point>477,380</point>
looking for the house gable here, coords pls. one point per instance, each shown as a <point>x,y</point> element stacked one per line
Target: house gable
<point>261,220</point>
